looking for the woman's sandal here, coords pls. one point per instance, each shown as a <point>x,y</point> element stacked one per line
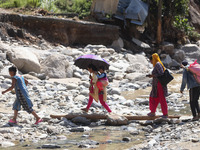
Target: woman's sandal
<point>164,116</point>
<point>151,114</point>
<point>11,121</point>
<point>84,109</point>
<point>39,121</point>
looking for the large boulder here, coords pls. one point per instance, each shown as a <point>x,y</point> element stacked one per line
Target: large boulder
<point>168,48</point>
<point>191,51</point>
<point>167,61</point>
<point>194,14</point>
<point>56,66</point>
<point>24,60</point>
<point>179,56</point>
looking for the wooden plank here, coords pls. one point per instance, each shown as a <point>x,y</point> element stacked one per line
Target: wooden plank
<point>102,116</point>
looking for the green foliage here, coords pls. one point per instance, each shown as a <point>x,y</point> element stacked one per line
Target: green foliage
<point>49,5</point>
<point>182,24</point>
<point>19,3</point>
<point>81,7</point>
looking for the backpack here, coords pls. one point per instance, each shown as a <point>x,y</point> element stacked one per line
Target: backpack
<point>195,69</point>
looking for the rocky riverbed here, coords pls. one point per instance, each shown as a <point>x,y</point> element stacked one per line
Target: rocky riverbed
<point>58,87</point>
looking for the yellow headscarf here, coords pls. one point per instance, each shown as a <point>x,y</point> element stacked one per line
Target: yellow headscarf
<point>155,59</point>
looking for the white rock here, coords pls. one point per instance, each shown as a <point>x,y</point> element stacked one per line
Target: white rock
<point>139,58</point>
<point>79,98</point>
<point>7,144</point>
<point>24,59</point>
<point>140,43</point>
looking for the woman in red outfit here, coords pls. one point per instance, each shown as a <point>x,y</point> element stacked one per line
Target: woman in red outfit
<point>158,92</point>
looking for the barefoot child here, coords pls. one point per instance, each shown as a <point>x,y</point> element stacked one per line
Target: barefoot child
<point>93,95</point>
<point>102,80</point>
<point>19,83</point>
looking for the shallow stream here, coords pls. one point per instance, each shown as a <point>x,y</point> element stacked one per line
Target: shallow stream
<point>110,138</point>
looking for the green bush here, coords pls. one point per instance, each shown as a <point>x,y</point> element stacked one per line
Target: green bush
<point>19,3</point>
<point>81,7</point>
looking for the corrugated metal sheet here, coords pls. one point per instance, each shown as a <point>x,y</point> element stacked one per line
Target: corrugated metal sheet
<point>135,10</point>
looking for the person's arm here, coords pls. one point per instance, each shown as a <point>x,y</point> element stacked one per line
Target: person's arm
<point>101,76</point>
<point>10,89</point>
<point>26,82</point>
<point>184,81</point>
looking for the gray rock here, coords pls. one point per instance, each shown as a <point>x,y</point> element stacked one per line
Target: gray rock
<point>126,139</point>
<point>81,120</point>
<point>77,130</point>
<point>118,44</point>
<point>50,146</point>
<point>191,51</point>
<point>167,61</point>
<point>161,121</point>
<point>179,56</point>
<point>56,66</point>
<point>168,48</point>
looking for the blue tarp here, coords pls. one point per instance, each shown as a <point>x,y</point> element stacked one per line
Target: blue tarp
<point>135,10</point>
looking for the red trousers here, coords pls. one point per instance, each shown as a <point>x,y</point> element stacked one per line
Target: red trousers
<point>153,102</point>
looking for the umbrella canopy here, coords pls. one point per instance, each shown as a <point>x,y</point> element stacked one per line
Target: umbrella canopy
<point>83,61</point>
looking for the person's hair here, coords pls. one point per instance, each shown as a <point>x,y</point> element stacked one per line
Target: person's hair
<point>184,63</point>
<point>102,67</point>
<point>91,66</point>
<point>13,69</point>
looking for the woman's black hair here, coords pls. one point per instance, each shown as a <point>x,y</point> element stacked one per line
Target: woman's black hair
<point>91,66</point>
<point>185,63</point>
<point>102,67</point>
<point>13,69</point>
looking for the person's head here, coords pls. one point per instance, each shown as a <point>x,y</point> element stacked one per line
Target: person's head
<point>155,59</point>
<point>184,63</point>
<point>91,68</point>
<point>12,71</point>
<point>102,69</point>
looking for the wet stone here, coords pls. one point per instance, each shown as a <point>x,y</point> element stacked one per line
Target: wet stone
<point>126,139</point>
<point>50,146</point>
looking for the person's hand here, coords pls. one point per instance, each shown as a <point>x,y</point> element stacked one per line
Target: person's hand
<point>90,88</point>
<point>149,75</point>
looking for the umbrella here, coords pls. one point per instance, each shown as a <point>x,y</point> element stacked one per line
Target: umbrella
<point>83,61</point>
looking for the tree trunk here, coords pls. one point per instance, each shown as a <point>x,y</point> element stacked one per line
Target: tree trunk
<point>102,116</point>
<point>159,29</point>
